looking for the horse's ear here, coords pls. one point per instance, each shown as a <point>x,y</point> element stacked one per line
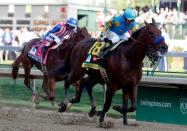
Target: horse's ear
<point>146,23</point>
<point>153,21</point>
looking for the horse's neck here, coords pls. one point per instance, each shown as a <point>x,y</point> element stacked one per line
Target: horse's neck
<point>135,52</point>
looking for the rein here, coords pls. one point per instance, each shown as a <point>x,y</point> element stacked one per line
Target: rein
<point>136,41</point>
<point>156,41</point>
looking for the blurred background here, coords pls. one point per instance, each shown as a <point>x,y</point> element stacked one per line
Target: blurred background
<point>28,19</point>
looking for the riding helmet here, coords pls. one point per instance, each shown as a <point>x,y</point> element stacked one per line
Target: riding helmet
<point>72,22</point>
<point>130,14</point>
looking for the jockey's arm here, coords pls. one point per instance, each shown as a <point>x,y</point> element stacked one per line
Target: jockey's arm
<point>53,30</point>
<point>133,29</point>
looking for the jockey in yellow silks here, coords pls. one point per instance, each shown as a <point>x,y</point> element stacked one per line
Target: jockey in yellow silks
<point>119,28</point>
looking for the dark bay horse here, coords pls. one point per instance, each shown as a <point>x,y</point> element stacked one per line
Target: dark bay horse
<point>123,66</point>
<point>56,59</point>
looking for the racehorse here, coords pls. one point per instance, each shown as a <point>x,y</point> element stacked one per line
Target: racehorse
<point>56,59</point>
<point>123,67</point>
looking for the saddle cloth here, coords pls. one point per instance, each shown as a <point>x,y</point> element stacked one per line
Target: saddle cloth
<point>34,52</point>
<point>93,56</point>
<point>39,52</point>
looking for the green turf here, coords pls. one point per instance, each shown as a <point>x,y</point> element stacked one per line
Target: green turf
<point>19,95</point>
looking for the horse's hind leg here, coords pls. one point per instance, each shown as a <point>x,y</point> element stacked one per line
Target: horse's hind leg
<point>27,69</point>
<point>49,88</point>
<point>89,88</point>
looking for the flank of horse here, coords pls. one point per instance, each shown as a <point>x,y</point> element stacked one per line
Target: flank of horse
<point>57,58</point>
<point>123,67</point>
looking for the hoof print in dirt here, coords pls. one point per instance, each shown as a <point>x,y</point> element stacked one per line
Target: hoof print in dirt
<point>106,124</point>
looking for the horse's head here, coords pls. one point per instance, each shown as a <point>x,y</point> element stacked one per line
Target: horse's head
<point>80,34</point>
<point>155,41</point>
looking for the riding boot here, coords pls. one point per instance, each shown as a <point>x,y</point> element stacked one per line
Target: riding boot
<point>105,52</point>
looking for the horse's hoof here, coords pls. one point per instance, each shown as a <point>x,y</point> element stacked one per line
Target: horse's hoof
<point>62,108</point>
<point>125,123</point>
<point>36,99</point>
<point>101,119</point>
<point>92,112</point>
<point>106,124</point>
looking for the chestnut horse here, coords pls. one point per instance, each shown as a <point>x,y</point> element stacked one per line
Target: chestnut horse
<point>123,67</point>
<point>56,59</point>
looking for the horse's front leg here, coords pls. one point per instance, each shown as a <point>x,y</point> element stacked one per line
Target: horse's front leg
<point>133,99</point>
<point>131,93</point>
<point>64,104</point>
<point>111,88</point>
<point>124,107</point>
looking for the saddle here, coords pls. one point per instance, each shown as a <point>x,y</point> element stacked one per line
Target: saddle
<point>38,52</point>
<point>98,52</point>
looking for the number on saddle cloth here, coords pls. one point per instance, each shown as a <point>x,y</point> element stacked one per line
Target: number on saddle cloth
<point>93,55</point>
<point>36,52</point>
<point>96,50</point>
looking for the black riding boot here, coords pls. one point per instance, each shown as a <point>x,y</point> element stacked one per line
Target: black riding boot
<point>104,53</point>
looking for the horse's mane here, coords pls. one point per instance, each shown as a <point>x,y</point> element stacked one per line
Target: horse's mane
<point>81,32</point>
<point>135,34</point>
<point>128,44</point>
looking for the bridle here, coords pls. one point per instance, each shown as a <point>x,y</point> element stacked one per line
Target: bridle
<point>157,41</point>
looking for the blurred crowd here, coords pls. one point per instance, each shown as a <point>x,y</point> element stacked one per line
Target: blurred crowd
<point>163,16</point>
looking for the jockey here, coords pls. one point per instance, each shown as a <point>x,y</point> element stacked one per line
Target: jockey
<point>63,30</point>
<point>119,28</point>
<point>57,35</point>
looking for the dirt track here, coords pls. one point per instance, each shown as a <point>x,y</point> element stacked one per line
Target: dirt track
<point>23,119</point>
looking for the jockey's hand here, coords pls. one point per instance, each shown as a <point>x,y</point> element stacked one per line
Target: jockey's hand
<point>47,43</point>
<point>109,23</point>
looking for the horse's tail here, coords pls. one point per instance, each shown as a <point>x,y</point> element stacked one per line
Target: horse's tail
<point>15,67</point>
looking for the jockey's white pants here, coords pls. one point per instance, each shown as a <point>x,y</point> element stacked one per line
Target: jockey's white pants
<point>116,38</point>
